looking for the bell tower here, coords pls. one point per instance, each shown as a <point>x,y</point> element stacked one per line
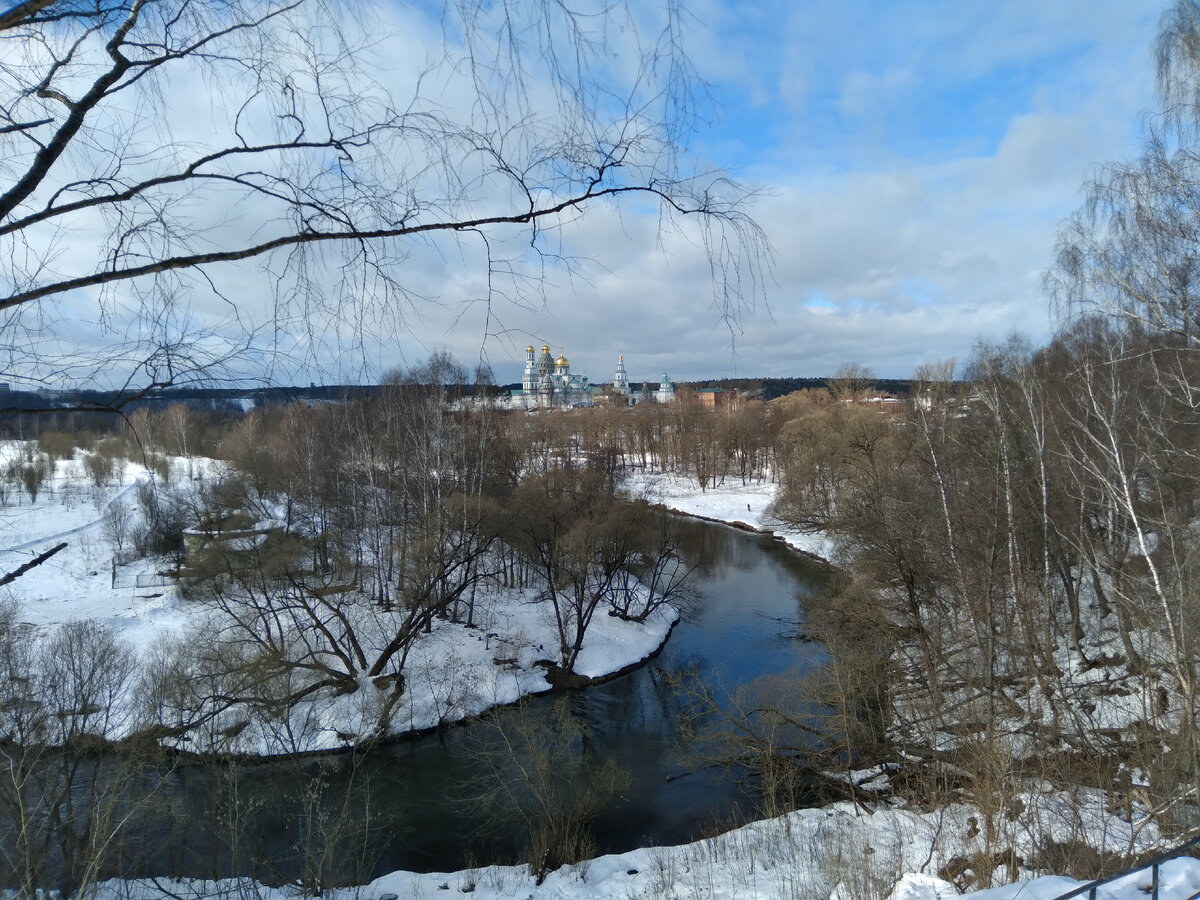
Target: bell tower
<point>529,382</point>
<point>620,379</point>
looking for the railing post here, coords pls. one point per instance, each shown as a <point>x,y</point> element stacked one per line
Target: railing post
<point>1152,865</point>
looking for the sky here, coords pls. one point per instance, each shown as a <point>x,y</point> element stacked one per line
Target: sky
<point>908,165</point>
<point>912,163</point>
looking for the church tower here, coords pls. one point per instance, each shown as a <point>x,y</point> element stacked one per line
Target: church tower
<point>545,363</point>
<point>620,379</point>
<point>548,382</point>
<point>529,381</point>
<point>666,390</point>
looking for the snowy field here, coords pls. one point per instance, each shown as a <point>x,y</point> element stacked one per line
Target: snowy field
<point>453,673</point>
<point>77,583</point>
<point>732,502</point>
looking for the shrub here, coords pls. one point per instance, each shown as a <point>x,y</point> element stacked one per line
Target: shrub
<point>99,467</point>
<point>33,475</point>
<point>57,444</point>
<point>163,518</point>
<point>117,518</point>
<point>160,466</point>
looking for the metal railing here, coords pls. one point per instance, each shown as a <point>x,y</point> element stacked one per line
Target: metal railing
<point>123,579</point>
<point>1152,865</point>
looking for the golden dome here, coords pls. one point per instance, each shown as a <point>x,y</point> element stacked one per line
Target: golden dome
<point>529,349</point>
<point>546,349</point>
<point>561,361</point>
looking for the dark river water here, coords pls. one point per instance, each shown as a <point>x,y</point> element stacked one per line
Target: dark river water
<point>417,804</point>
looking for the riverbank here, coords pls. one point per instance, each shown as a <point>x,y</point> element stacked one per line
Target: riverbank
<point>452,673</point>
<point>841,851</point>
<point>744,506</point>
<point>430,806</point>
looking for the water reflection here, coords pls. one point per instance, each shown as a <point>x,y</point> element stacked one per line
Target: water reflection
<point>415,804</point>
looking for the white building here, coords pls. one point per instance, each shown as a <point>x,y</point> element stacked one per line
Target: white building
<point>664,393</point>
<point>620,379</point>
<point>547,382</point>
<point>666,390</point>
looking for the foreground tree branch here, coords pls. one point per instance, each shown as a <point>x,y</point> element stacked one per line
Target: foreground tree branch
<point>168,143</point>
<point>202,259</point>
<point>32,564</point>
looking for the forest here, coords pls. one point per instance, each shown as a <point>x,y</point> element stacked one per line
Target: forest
<point>1014,603</point>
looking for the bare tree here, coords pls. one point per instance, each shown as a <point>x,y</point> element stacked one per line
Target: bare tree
<point>117,519</point>
<point>389,525</point>
<point>583,540</point>
<point>1125,282</point>
<point>852,382</point>
<point>307,159</point>
<point>34,473</point>
<point>537,772</point>
<point>69,803</point>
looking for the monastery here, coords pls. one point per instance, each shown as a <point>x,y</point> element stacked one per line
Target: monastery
<point>548,382</point>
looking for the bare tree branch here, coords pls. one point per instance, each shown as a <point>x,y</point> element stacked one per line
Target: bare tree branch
<point>114,202</point>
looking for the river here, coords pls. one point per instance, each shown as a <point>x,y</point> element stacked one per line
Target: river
<point>422,804</point>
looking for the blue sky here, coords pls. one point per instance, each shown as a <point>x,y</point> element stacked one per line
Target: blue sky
<point>863,83</point>
<point>913,162</point>
<point>910,164</point>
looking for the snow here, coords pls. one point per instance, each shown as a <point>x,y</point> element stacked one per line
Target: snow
<point>77,582</point>
<point>731,502</point>
<point>1178,879</point>
<point>452,673</point>
<point>840,851</point>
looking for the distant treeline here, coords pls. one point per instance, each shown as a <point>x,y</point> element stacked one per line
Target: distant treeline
<point>770,388</point>
<point>83,406</point>
<point>199,397</point>
<point>26,413</point>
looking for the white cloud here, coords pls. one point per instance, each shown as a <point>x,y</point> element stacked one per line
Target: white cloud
<point>902,232</point>
<point>872,94</point>
<point>896,261</point>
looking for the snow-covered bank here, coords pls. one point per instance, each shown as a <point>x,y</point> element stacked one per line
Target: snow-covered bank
<point>1178,879</point>
<point>455,672</point>
<point>732,503</point>
<point>451,673</point>
<point>840,851</point>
